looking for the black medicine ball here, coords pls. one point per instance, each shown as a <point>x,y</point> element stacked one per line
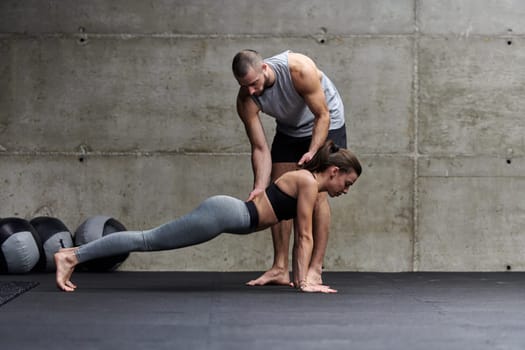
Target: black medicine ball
<point>20,247</point>
<point>53,235</point>
<point>94,228</point>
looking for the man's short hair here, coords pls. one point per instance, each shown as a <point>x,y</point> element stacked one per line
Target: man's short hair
<point>244,60</point>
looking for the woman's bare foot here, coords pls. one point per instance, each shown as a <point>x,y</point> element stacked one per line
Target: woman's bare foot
<point>317,288</point>
<point>274,276</point>
<point>65,260</point>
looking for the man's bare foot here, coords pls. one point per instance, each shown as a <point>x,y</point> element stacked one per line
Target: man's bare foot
<point>314,277</point>
<point>65,261</point>
<point>273,276</point>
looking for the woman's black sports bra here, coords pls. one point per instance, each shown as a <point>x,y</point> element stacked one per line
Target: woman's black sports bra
<point>284,205</point>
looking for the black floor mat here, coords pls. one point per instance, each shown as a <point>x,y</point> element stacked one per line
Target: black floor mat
<point>10,290</point>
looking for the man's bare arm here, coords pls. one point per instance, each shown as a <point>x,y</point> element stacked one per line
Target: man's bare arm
<point>261,158</point>
<point>307,81</point>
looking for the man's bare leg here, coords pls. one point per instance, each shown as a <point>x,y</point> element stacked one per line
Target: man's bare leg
<point>281,232</point>
<point>65,261</point>
<point>321,229</point>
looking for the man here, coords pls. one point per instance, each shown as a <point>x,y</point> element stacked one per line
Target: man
<point>308,110</point>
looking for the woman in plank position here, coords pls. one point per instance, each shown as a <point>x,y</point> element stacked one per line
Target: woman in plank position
<point>293,195</point>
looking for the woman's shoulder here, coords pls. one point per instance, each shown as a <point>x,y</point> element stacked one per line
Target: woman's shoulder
<point>298,177</point>
<point>303,177</point>
<point>306,174</point>
<point>299,174</point>
<point>293,181</point>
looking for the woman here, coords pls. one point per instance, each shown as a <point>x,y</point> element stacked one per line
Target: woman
<point>293,195</point>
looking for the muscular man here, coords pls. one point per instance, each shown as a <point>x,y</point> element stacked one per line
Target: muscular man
<point>308,110</point>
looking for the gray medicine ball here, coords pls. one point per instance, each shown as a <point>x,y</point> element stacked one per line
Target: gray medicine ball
<point>94,228</point>
<point>20,247</point>
<point>53,235</point>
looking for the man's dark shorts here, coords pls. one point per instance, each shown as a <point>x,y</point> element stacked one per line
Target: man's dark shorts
<point>287,149</point>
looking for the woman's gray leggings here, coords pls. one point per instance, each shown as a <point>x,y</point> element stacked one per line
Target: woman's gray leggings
<point>214,216</point>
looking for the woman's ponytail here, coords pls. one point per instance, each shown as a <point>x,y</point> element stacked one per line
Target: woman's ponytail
<point>330,154</point>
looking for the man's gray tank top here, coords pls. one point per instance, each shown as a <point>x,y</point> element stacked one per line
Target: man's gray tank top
<point>291,113</point>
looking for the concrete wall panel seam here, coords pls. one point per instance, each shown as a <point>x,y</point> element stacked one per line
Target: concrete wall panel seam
<point>415,87</point>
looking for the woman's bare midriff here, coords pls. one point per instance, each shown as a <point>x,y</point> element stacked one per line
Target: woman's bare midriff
<point>267,216</point>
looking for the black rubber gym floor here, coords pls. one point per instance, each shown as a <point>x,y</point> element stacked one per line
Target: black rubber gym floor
<point>203,310</point>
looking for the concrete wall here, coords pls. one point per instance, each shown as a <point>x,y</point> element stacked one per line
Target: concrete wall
<point>126,108</point>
